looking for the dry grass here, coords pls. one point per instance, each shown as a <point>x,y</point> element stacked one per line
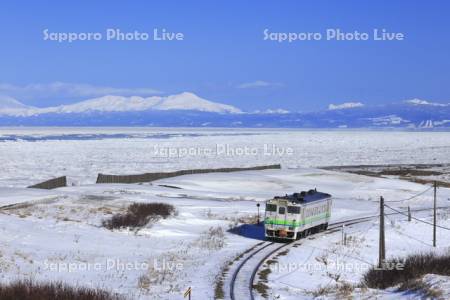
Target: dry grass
<point>164,269</point>
<point>418,285</point>
<point>343,290</point>
<point>29,290</point>
<point>414,172</point>
<point>219,292</point>
<point>323,290</point>
<point>414,267</point>
<point>213,239</point>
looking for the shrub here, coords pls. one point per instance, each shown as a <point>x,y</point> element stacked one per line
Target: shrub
<point>342,290</point>
<point>414,267</point>
<point>139,215</point>
<point>213,239</point>
<point>29,290</point>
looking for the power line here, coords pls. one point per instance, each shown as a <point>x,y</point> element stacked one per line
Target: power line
<point>401,233</point>
<point>410,198</point>
<point>402,213</point>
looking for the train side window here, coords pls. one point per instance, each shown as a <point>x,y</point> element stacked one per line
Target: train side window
<point>271,207</point>
<point>281,210</point>
<point>293,209</point>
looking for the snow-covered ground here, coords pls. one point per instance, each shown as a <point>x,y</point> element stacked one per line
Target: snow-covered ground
<point>57,234</point>
<point>31,155</point>
<point>320,264</point>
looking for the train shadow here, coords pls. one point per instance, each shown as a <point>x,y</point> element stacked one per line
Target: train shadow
<point>252,231</point>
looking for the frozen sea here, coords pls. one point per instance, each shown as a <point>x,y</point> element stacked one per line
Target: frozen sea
<point>31,155</point>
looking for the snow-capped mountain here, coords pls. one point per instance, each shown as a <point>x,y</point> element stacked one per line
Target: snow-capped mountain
<point>189,110</point>
<point>110,103</point>
<point>424,102</point>
<point>190,101</point>
<point>10,106</point>
<point>105,104</point>
<point>7,102</point>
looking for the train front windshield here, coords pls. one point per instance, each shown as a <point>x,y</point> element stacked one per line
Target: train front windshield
<point>271,207</point>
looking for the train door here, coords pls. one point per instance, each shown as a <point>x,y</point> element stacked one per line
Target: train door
<point>282,216</point>
<point>293,217</point>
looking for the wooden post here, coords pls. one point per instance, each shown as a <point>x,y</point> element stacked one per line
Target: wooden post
<point>434,215</point>
<point>188,293</point>
<point>382,246</point>
<point>409,214</point>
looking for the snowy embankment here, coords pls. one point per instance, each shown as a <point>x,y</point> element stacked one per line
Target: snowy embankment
<point>61,238</point>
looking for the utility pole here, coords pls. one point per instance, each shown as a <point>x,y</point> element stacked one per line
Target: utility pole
<point>434,216</point>
<point>409,214</point>
<point>382,246</point>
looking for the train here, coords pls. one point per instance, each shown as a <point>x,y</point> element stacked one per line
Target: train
<point>294,216</point>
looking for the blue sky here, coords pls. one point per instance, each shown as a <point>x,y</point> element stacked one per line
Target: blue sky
<point>223,56</point>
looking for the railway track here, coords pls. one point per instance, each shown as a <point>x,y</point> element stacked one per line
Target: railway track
<point>243,276</point>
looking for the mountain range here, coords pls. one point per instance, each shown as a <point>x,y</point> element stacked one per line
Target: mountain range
<point>189,110</point>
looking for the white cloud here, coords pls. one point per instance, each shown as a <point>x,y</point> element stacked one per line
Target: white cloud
<point>272,111</point>
<point>346,105</point>
<point>258,84</point>
<point>63,89</point>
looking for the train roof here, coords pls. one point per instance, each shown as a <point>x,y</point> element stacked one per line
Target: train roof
<point>304,196</point>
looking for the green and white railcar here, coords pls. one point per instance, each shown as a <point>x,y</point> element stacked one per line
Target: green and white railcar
<point>293,216</point>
